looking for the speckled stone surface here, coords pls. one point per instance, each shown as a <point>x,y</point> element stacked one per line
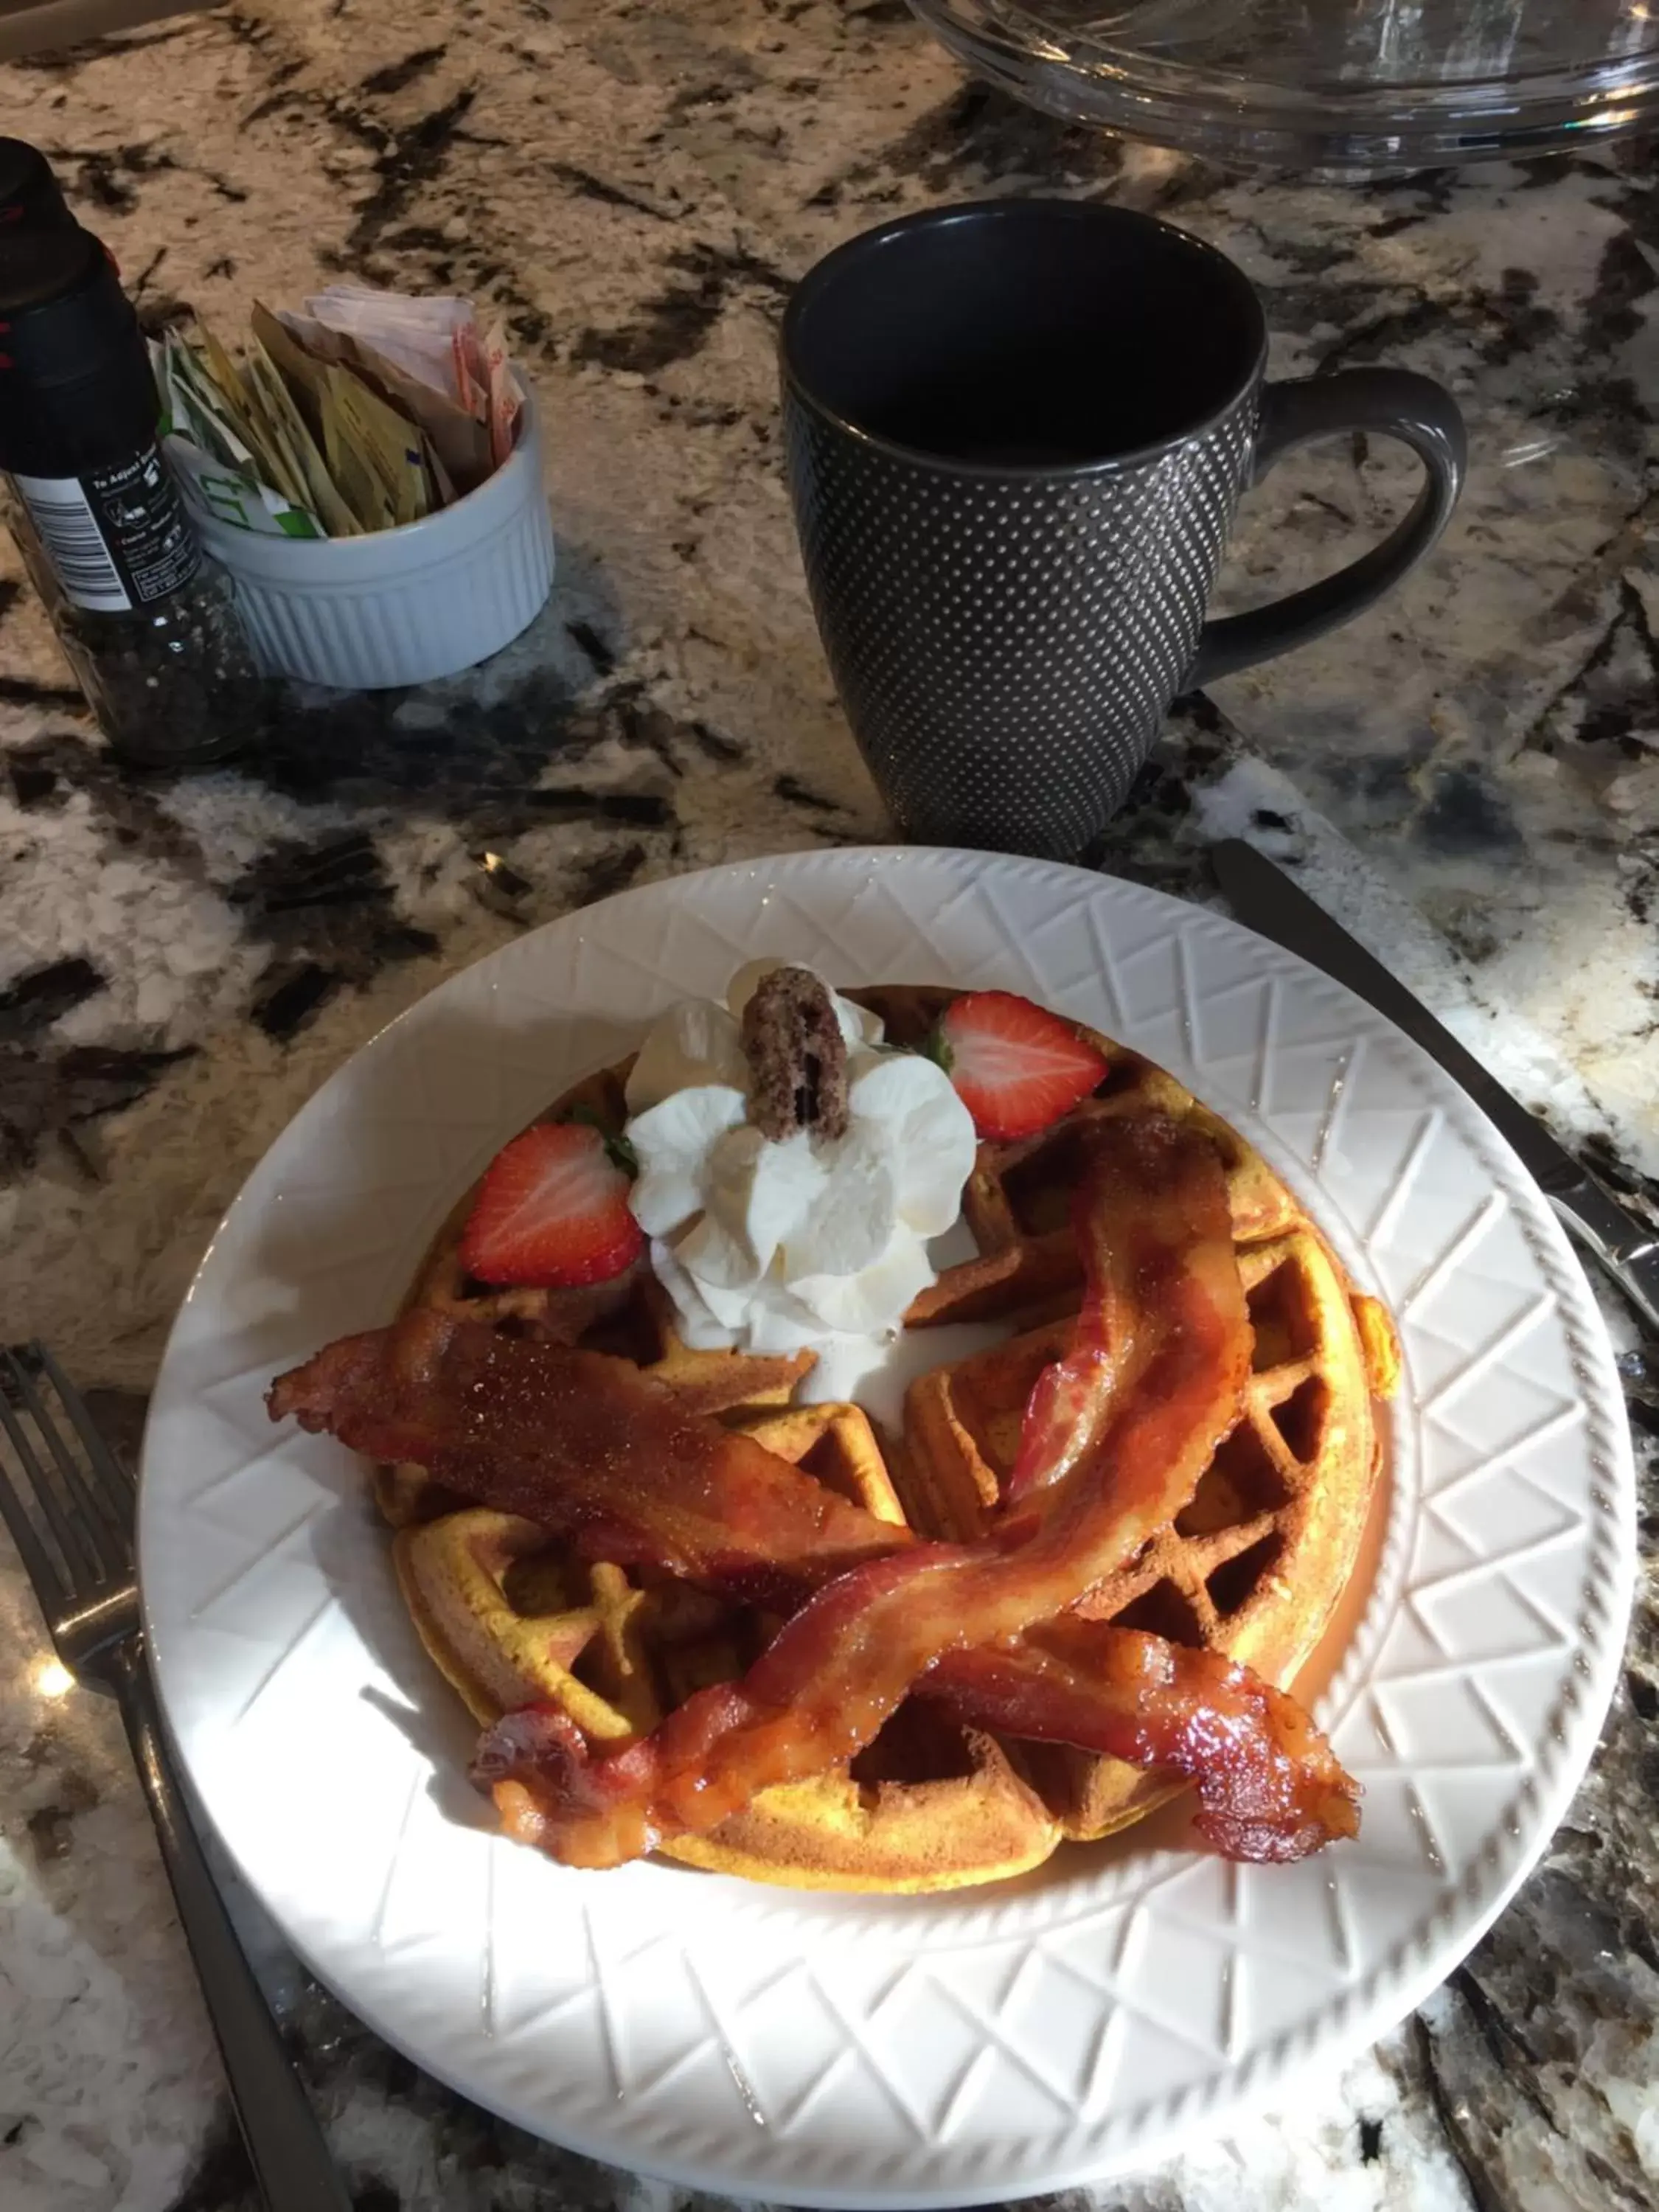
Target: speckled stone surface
<point>1469,775</point>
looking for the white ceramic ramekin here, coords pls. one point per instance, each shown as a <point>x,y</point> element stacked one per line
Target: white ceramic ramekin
<point>398,607</point>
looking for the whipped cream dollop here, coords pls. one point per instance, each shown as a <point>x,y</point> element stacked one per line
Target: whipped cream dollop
<point>779,1246</point>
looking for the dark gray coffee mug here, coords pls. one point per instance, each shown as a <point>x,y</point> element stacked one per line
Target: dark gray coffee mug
<point>1017,432</point>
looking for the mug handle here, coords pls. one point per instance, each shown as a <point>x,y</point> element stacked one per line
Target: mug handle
<point>1396,402</point>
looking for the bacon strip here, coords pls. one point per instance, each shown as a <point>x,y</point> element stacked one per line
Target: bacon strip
<point>590,1448</point>
<point>1155,1222</point>
<point>1269,1786</point>
<point>1071,1397</point>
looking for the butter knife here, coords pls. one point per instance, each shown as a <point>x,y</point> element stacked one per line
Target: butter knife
<point>1265,899</point>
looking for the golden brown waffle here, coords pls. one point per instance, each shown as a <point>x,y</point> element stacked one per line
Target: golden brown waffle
<point>1252,1567</point>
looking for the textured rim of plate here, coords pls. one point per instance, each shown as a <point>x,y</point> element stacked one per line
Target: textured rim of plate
<point>967,1986</point>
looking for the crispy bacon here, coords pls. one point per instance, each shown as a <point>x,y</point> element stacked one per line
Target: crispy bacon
<point>1269,1786</point>
<point>1072,1395</point>
<point>588,1446</point>
<point>1155,1222</point>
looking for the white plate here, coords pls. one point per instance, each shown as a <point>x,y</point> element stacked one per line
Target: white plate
<point>838,2050</point>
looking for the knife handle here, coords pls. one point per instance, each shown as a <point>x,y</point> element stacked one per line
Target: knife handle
<point>1626,1247</point>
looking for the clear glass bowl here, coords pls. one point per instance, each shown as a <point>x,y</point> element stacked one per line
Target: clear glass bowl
<point>1331,85</point>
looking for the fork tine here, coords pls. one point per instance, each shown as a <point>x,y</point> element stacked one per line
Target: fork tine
<point>79,1555</point>
<point>43,1570</point>
<point>107,1531</point>
<point>116,1491</point>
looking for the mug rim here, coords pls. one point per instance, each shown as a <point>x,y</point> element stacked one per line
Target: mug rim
<point>866,242</point>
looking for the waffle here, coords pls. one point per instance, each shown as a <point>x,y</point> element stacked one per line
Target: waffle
<point>1252,1566</point>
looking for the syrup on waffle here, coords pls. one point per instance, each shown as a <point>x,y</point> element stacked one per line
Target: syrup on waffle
<point>1251,1568</point>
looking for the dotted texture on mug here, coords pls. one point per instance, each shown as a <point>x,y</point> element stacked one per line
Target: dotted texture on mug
<point>1005,647</point>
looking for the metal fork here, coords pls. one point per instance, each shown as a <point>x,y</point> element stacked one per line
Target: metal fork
<point>71,1516</point>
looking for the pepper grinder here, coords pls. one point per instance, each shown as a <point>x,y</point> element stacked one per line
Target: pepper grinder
<point>147,620</point>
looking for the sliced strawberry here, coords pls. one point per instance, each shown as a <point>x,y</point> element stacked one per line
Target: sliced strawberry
<point>1017,1068</point>
<point>552,1209</point>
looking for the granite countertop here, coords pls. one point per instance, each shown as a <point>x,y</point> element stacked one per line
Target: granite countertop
<point>1469,774</point>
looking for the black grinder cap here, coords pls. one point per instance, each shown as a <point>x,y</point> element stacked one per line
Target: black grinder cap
<point>76,388</point>
<point>31,197</point>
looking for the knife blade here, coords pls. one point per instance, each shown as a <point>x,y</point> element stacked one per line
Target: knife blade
<point>1266,900</point>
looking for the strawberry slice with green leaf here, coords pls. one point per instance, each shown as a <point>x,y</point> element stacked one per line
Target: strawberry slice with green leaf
<point>552,1209</point>
<point>1017,1068</point>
